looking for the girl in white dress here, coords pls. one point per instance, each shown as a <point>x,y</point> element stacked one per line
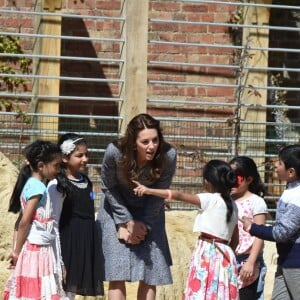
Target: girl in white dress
<point>213,267</point>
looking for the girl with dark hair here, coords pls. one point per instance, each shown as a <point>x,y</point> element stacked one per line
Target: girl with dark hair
<point>134,239</point>
<point>36,257</point>
<point>286,229</point>
<point>213,267</point>
<point>73,209</point>
<point>249,252</point>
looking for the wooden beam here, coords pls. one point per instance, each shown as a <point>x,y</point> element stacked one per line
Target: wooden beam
<point>134,53</point>
<point>47,46</point>
<point>52,5</point>
<point>255,38</point>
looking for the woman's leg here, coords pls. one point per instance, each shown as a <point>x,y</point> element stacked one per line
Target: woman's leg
<point>116,290</point>
<point>146,291</point>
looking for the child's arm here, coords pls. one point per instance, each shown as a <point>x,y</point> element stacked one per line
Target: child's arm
<point>141,190</point>
<point>262,231</point>
<point>24,225</point>
<point>11,255</point>
<point>248,267</point>
<point>235,238</point>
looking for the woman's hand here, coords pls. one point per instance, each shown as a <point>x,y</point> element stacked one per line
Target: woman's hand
<point>137,230</point>
<point>140,190</point>
<point>133,232</point>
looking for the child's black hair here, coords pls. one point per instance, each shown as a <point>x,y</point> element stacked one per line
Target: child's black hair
<point>290,156</point>
<point>36,152</point>
<point>62,180</point>
<point>246,167</point>
<point>222,178</point>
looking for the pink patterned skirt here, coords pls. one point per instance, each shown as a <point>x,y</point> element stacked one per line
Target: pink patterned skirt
<point>35,275</point>
<point>213,273</point>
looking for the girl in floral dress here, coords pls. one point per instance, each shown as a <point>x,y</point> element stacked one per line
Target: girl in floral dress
<point>249,252</point>
<point>35,259</point>
<point>213,268</point>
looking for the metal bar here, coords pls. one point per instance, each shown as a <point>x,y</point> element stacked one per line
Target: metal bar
<point>267,27</point>
<point>73,98</point>
<point>290,50</point>
<point>62,78</point>
<point>56,14</point>
<point>234,67</point>
<point>226,104</point>
<point>64,116</point>
<point>270,88</point>
<point>75,58</point>
<point>62,37</point>
<point>240,4</point>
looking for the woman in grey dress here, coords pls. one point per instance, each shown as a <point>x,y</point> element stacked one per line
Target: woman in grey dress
<point>134,239</point>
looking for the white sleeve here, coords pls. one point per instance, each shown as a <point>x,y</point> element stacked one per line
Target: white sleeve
<point>57,200</point>
<point>259,206</point>
<point>205,200</point>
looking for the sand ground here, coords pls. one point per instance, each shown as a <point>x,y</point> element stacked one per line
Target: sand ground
<point>179,229</point>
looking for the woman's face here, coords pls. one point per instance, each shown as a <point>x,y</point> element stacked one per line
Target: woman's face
<point>147,143</point>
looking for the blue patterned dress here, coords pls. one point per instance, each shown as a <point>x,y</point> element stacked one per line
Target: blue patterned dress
<point>150,260</point>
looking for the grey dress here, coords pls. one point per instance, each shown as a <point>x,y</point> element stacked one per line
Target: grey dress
<point>150,260</point>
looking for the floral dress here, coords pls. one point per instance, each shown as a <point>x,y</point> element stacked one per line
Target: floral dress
<point>213,269</point>
<point>249,207</point>
<point>38,273</point>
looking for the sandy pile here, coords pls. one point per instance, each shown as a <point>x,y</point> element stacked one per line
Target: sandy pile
<point>179,228</point>
<point>8,176</point>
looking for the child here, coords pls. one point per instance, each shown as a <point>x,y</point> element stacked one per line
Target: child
<point>286,229</point>
<point>213,268</point>
<point>249,250</point>
<point>35,258</point>
<point>73,208</point>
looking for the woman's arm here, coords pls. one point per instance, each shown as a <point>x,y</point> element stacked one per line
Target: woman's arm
<point>110,184</point>
<point>129,230</point>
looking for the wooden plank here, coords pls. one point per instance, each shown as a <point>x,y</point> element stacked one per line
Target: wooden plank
<point>134,71</point>
<point>255,38</point>
<point>49,25</point>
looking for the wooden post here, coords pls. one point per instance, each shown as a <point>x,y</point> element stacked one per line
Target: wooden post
<point>48,25</point>
<point>255,38</point>
<point>134,53</point>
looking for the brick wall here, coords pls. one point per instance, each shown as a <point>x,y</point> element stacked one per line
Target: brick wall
<point>163,31</point>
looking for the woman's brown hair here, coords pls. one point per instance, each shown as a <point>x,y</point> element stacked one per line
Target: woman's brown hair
<point>127,146</point>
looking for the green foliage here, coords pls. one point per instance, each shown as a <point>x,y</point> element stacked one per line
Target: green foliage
<point>12,65</point>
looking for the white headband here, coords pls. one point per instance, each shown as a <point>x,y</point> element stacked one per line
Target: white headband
<point>68,146</point>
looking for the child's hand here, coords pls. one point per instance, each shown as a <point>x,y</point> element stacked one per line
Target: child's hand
<point>12,258</point>
<point>64,274</point>
<point>140,190</point>
<point>247,271</point>
<point>246,223</point>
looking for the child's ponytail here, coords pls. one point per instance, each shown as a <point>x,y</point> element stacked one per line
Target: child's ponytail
<point>14,202</point>
<point>222,178</point>
<point>230,180</point>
